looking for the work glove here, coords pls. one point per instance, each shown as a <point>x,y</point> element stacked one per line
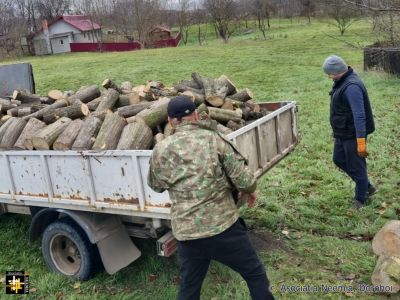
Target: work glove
<point>362,147</point>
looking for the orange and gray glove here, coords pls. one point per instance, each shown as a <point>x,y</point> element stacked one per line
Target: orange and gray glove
<point>362,147</point>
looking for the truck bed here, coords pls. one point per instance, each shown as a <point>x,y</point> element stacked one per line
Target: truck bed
<point>114,181</point>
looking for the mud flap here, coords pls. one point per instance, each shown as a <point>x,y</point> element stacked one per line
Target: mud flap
<point>117,250</point>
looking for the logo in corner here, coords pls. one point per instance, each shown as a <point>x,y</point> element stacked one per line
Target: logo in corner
<point>17,282</point>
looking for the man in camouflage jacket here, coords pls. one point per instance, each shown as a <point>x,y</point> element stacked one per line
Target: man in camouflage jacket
<point>201,169</point>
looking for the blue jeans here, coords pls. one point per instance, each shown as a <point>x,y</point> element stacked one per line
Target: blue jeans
<point>345,156</point>
<point>231,248</point>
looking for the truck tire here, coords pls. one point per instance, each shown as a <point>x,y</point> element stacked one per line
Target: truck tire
<point>67,250</point>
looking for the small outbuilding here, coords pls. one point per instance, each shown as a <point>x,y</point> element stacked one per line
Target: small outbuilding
<point>159,33</point>
<point>56,35</point>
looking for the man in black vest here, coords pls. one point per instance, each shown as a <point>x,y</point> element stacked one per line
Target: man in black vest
<point>351,120</point>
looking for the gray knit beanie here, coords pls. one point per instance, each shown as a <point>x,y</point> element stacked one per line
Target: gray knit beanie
<point>334,65</point>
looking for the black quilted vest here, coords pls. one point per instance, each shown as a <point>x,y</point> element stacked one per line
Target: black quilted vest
<point>341,117</point>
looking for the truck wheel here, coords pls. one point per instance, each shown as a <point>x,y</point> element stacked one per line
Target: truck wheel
<point>67,250</point>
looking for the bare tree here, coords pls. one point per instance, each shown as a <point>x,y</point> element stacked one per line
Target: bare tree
<point>380,6</point>
<point>308,9</point>
<point>262,10</point>
<point>222,14</point>
<point>200,19</point>
<point>49,9</point>
<point>343,14</point>
<point>184,18</point>
<point>386,19</point>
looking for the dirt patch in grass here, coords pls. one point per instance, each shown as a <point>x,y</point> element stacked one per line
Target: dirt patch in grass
<point>264,240</point>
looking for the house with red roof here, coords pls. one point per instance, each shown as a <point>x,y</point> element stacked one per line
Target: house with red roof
<point>57,35</point>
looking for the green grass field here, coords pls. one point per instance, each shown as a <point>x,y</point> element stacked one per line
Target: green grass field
<point>328,243</point>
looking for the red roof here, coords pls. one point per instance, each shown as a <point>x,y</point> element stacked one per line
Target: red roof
<point>83,23</point>
<point>80,22</point>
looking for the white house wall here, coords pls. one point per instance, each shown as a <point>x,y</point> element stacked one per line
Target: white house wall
<point>62,27</point>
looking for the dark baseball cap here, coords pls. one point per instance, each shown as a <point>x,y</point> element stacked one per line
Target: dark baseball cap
<point>180,106</point>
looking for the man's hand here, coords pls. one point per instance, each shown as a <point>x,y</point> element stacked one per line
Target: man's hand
<point>249,198</point>
<point>362,147</point>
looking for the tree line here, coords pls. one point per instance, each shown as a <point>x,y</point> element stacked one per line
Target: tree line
<point>132,19</point>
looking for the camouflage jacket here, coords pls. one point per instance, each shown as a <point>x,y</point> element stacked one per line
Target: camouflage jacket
<point>200,169</point>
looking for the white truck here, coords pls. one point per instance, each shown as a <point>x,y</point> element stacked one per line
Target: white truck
<point>87,205</point>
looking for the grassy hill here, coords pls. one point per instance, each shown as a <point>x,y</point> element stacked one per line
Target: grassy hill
<point>328,244</point>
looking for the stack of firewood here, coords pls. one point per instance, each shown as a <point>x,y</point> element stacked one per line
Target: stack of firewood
<point>119,117</point>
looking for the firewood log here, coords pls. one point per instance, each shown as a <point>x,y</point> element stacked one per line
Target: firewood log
<point>85,94</point>
<point>253,106</point>
<point>13,112</point>
<point>225,82</point>
<point>39,113</point>
<point>109,84</point>
<point>235,125</point>
<point>246,112</point>
<point>25,97</point>
<point>55,94</point>
<point>17,102</point>
<point>24,111</point>
<point>4,106</point>
<point>190,83</point>
<point>387,273</point>
<point>3,120</point>
<point>242,96</point>
<point>128,99</point>
<point>67,94</point>
<point>156,113</point>
<point>46,100</point>
<point>215,90</point>
<point>77,110</point>
<point>126,87</point>
<point>132,110</point>
<point>110,132</point>
<point>202,108</point>
<point>67,138</point>
<point>5,126</point>
<point>183,88</point>
<point>25,139</point>
<point>197,98</point>
<point>387,240</point>
<point>108,100</point>
<point>101,114</point>
<point>87,134</point>
<point>45,138</point>
<point>138,88</point>
<point>37,107</point>
<point>92,105</point>
<point>135,136</point>
<point>228,104</point>
<point>224,115</point>
<point>12,133</point>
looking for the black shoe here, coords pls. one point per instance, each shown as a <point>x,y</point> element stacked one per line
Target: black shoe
<point>371,191</point>
<point>358,204</point>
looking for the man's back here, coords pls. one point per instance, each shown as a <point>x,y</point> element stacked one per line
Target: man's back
<point>190,165</point>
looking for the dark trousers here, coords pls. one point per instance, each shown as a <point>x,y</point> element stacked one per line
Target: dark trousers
<point>231,248</point>
<point>345,156</point>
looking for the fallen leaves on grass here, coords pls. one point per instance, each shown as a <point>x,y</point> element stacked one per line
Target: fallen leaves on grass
<point>152,277</point>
